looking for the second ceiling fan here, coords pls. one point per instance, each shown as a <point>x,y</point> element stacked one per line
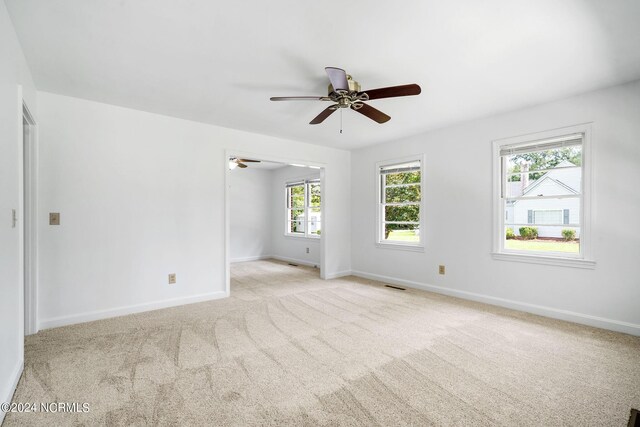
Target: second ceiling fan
<point>345,92</point>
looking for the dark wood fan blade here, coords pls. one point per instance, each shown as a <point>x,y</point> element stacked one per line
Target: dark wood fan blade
<point>372,113</point>
<point>240,165</point>
<point>322,116</point>
<point>300,98</point>
<point>248,160</point>
<point>393,91</point>
<point>338,78</point>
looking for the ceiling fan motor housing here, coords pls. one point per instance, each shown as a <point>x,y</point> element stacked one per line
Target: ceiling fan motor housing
<point>347,99</point>
<point>354,86</point>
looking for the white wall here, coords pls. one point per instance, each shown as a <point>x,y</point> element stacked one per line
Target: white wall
<point>291,248</point>
<point>14,77</point>
<point>141,196</point>
<point>458,229</point>
<point>250,204</point>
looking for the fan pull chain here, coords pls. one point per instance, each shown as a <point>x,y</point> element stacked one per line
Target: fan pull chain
<point>341,120</point>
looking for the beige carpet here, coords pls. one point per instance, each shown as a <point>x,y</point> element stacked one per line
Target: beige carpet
<point>290,349</point>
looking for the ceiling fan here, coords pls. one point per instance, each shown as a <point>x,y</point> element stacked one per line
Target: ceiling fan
<point>235,162</point>
<point>345,92</point>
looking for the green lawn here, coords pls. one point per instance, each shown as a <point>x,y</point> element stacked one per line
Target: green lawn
<point>403,236</point>
<point>543,246</point>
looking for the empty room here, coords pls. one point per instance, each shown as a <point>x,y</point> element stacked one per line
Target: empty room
<point>320,213</point>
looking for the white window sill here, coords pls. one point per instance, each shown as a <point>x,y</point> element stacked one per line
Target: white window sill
<point>302,236</point>
<point>400,246</point>
<point>538,259</point>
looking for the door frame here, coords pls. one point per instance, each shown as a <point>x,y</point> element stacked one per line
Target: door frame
<point>29,213</point>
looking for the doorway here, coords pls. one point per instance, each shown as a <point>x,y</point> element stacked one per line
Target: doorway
<point>291,194</point>
<point>29,237</point>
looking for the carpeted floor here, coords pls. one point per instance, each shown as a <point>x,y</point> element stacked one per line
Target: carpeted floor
<point>290,349</point>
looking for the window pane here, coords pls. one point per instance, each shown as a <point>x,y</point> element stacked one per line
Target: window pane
<point>402,213</point>
<point>409,193</point>
<point>296,197</point>
<point>548,225</point>
<point>402,178</point>
<point>315,220</point>
<point>296,221</point>
<point>408,233</point>
<point>296,227</point>
<point>537,224</point>
<point>547,216</point>
<point>315,227</point>
<point>563,178</point>
<point>314,191</point>
<point>400,196</point>
<point>550,159</point>
<point>518,239</point>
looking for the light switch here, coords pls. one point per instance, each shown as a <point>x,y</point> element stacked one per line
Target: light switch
<point>54,218</point>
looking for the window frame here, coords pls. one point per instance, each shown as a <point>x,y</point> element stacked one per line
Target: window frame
<point>379,206</point>
<point>584,259</point>
<point>306,183</point>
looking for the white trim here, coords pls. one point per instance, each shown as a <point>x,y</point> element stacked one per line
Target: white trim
<point>585,258</point>
<point>378,241</point>
<point>401,246</point>
<point>29,222</point>
<point>555,313</point>
<point>548,260</point>
<point>7,395</point>
<point>130,309</point>
<point>250,258</point>
<point>295,261</point>
<point>338,275</point>
<point>296,236</point>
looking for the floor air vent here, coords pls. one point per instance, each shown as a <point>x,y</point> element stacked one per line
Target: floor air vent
<point>395,287</point>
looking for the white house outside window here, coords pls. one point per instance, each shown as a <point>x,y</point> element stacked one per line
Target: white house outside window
<point>304,209</point>
<point>541,200</point>
<point>400,209</point>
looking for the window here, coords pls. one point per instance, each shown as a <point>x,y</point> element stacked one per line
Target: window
<point>400,203</point>
<point>547,217</point>
<point>541,196</point>
<point>304,210</point>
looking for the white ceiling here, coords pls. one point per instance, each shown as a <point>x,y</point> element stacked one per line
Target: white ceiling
<point>220,61</point>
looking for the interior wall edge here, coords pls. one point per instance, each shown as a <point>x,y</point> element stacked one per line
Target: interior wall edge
<point>7,395</point>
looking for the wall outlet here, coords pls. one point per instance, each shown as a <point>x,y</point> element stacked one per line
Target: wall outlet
<point>54,218</point>
<point>441,269</point>
<point>172,278</point>
<point>307,250</point>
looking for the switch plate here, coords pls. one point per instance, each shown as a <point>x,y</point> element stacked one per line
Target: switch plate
<point>54,218</point>
<point>441,269</point>
<point>172,278</point>
<point>307,250</point>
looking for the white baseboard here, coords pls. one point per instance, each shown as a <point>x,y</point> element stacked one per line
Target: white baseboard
<point>131,309</point>
<point>584,319</point>
<point>296,261</point>
<point>337,275</point>
<point>7,394</point>
<point>250,258</point>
